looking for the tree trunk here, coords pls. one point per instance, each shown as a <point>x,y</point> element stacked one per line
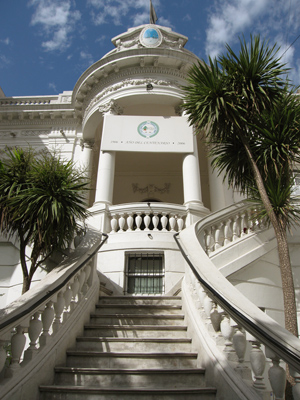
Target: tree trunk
<point>290,310</point>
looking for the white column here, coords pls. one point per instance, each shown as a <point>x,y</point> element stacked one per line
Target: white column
<point>105,177</point>
<point>191,179</point>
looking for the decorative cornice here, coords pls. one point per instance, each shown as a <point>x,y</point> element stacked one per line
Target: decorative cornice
<point>99,94</point>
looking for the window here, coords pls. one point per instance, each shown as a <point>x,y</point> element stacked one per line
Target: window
<point>145,273</point>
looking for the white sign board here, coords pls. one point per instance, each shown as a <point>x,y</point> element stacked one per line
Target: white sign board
<point>147,134</point>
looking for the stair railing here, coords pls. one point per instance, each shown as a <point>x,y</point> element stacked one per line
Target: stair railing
<point>33,325</point>
<point>228,315</point>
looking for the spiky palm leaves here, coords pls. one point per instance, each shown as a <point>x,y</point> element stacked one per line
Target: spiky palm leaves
<point>251,124</point>
<point>41,200</point>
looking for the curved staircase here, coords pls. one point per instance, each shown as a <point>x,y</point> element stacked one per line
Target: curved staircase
<point>133,347</point>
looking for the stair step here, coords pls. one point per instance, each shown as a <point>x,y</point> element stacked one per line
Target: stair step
<point>115,378</point>
<point>96,359</point>
<point>136,300</point>
<point>134,331</point>
<point>125,393</point>
<point>137,319</point>
<point>137,309</point>
<point>130,344</point>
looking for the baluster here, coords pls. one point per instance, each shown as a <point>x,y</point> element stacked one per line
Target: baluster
<point>89,274</point>
<point>296,387</point>
<point>75,289</point>
<point>207,306</point>
<point>68,297</point>
<point>218,243</point>
<point>215,318</point>
<point>3,354</point>
<point>122,223</point>
<point>180,223</point>
<point>164,222</point>
<point>227,232</point>
<point>277,375</point>
<point>235,228</point>
<point>155,221</point>
<point>138,221</point>
<point>208,241</point>
<point>34,331</point>
<point>47,319</point>
<point>18,341</point>
<point>239,342</point>
<point>250,221</point>
<point>172,222</point>
<point>85,286</point>
<point>130,223</point>
<point>147,221</point>
<point>258,363</point>
<point>58,308</point>
<point>81,279</point>
<point>243,225</point>
<point>114,224</point>
<point>227,331</point>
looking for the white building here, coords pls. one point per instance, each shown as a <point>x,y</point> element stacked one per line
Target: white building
<point>151,178</point>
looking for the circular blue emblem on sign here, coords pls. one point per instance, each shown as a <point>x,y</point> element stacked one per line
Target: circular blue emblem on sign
<point>150,37</point>
<point>148,129</point>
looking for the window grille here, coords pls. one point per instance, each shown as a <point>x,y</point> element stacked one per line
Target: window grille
<point>145,273</point>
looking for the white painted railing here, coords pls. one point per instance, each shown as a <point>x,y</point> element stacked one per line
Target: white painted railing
<point>47,315</point>
<point>230,319</point>
<point>223,228</point>
<point>147,217</point>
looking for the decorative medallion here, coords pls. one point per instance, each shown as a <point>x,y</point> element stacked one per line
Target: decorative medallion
<point>150,37</point>
<point>148,129</point>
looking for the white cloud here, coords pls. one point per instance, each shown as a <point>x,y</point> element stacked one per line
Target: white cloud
<point>53,87</point>
<point>5,41</point>
<point>57,20</point>
<point>4,61</point>
<point>87,57</point>
<point>231,18</point>
<point>116,11</point>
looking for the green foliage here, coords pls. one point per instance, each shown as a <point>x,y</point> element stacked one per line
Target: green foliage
<point>42,201</point>
<point>241,101</point>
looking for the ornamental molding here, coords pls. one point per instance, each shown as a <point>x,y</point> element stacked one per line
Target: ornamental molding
<point>125,84</point>
<point>86,144</point>
<point>150,188</point>
<point>134,39</point>
<point>38,122</point>
<point>124,78</point>
<point>111,107</point>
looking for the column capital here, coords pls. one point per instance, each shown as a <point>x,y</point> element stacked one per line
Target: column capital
<point>86,144</point>
<point>111,107</point>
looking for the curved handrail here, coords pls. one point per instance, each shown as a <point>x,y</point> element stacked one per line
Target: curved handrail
<point>7,320</point>
<point>240,308</point>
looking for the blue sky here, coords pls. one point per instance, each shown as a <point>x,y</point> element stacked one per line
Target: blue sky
<point>45,45</point>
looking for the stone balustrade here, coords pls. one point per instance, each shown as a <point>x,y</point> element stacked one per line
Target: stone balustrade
<point>31,328</point>
<point>248,342</point>
<point>147,217</point>
<point>231,227</point>
<point>235,343</point>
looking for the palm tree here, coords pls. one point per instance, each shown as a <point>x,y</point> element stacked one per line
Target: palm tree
<point>42,202</point>
<point>251,125</point>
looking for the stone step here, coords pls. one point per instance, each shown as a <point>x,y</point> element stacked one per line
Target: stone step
<point>133,344</point>
<point>96,359</point>
<point>125,393</point>
<point>138,319</point>
<point>115,378</point>
<point>136,300</point>
<point>135,331</point>
<point>137,309</point>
